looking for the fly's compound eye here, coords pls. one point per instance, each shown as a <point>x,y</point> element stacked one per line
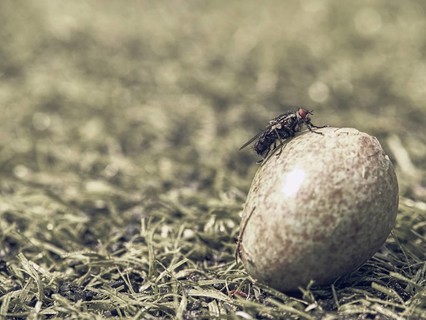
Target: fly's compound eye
<point>303,113</point>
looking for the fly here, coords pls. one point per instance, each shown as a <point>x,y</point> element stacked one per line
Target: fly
<point>281,128</point>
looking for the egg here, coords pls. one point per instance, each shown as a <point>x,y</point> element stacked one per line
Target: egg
<point>318,208</point>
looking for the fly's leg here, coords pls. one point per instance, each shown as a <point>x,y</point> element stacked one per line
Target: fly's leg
<point>281,148</point>
<point>265,157</point>
<point>281,142</point>
<point>288,133</point>
<point>279,138</point>
<point>310,126</point>
<point>269,153</point>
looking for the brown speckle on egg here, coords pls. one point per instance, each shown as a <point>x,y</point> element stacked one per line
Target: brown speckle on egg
<point>319,209</point>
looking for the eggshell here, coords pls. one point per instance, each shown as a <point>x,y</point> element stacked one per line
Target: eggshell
<point>319,209</point>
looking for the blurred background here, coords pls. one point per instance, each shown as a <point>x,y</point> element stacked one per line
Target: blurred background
<point>115,111</point>
<point>164,93</point>
<point>170,86</point>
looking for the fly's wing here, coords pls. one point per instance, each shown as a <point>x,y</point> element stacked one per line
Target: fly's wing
<point>251,140</point>
<point>268,127</point>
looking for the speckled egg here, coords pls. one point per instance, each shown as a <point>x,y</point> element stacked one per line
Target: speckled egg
<point>319,209</point>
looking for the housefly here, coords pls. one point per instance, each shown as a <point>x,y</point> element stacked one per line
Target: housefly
<point>281,128</point>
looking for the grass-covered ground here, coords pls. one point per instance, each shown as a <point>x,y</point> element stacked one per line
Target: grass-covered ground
<point>121,180</point>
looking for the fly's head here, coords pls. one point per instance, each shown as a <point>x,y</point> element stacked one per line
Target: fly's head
<point>303,115</point>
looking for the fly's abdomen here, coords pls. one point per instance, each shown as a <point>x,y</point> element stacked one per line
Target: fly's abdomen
<point>263,145</point>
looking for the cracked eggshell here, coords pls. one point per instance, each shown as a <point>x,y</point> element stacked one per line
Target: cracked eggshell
<point>319,209</point>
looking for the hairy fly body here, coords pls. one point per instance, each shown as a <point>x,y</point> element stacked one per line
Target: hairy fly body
<point>279,129</point>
